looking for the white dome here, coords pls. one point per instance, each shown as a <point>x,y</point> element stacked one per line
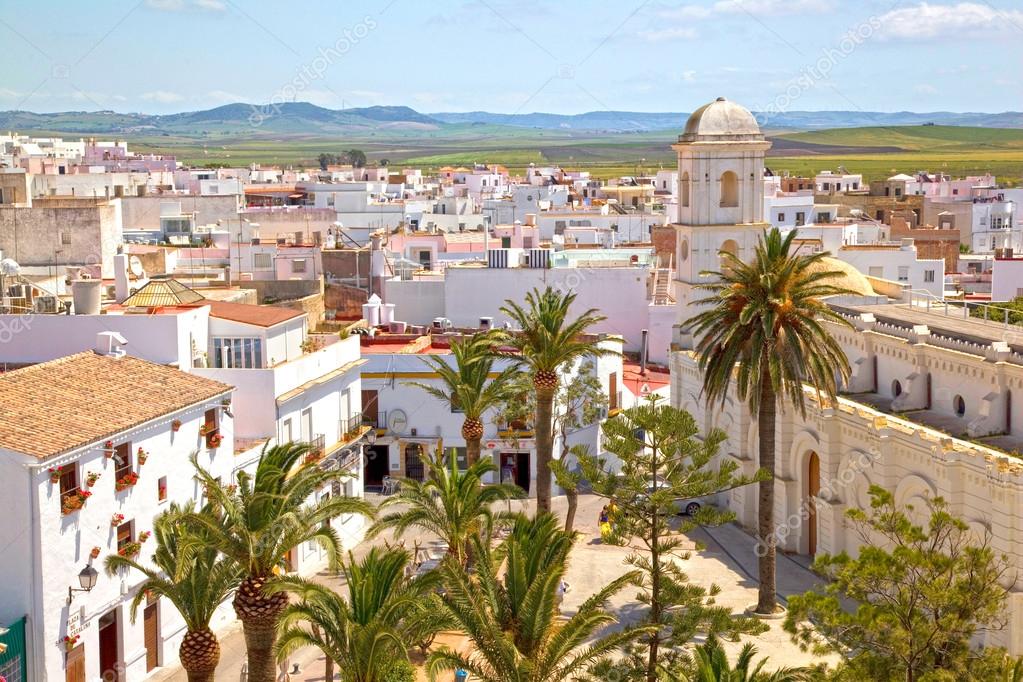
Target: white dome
<point>721,119</point>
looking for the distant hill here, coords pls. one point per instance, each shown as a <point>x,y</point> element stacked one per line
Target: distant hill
<point>936,138</point>
<point>240,119</point>
<point>302,118</point>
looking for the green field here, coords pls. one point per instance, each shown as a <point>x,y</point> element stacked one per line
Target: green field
<point>875,152</point>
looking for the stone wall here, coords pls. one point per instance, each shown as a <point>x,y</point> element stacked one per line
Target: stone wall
<point>346,300</point>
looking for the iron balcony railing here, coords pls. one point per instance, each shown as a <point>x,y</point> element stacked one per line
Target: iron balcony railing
<point>317,446</point>
<point>350,425</point>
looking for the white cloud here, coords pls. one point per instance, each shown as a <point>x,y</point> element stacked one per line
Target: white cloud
<point>689,76</point>
<point>754,7</point>
<point>925,89</point>
<point>667,35</point>
<point>162,96</point>
<point>179,5</point>
<point>926,21</point>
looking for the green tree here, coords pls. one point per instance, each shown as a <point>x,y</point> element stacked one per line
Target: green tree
<point>196,582</point>
<point>509,608</point>
<point>765,317</point>
<point>454,505</point>
<point>365,632</point>
<point>712,665</point>
<point>261,519</point>
<point>356,157</point>
<point>664,462</point>
<point>470,385</point>
<point>920,592</point>
<point>548,339</point>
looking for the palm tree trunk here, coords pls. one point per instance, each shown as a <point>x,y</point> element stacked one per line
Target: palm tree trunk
<point>544,447</point>
<point>767,598</point>
<point>472,450</point>
<point>260,636</point>
<point>199,654</point>
<point>328,670</point>
<point>573,505</point>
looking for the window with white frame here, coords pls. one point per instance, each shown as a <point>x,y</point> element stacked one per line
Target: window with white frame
<point>903,273</point>
<point>262,261</point>
<point>238,353</point>
<point>298,265</point>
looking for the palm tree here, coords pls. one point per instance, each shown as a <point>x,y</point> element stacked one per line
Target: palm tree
<point>364,634</point>
<point>766,317</point>
<point>265,516</point>
<point>451,504</point>
<point>468,385</point>
<point>711,665</point>
<point>548,339</point>
<point>509,608</point>
<point>195,582</point>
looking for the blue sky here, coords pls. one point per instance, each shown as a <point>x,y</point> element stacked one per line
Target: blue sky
<point>563,56</point>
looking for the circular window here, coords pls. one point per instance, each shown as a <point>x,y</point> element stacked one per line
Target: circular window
<point>959,405</point>
<point>896,388</point>
<point>683,250</point>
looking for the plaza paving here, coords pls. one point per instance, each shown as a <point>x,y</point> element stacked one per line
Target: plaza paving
<point>726,560</point>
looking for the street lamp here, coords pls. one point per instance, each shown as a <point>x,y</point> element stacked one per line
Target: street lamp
<point>87,579</point>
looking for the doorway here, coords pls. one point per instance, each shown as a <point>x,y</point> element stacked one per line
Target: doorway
<point>74,670</point>
<point>151,631</point>
<point>377,466</point>
<point>813,477</point>
<point>414,468</point>
<point>109,659</point>
<point>515,469</point>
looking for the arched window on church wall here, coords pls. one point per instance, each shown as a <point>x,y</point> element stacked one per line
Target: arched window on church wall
<point>685,189</point>
<point>729,189</point>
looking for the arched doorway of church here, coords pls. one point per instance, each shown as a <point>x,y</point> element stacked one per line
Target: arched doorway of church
<point>813,488</point>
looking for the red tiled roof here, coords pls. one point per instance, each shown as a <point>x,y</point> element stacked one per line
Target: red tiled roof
<point>258,315</point>
<point>655,377</point>
<point>50,408</point>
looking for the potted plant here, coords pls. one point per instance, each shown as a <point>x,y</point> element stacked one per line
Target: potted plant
<point>108,449</point>
<point>70,641</point>
<point>72,503</point>
<point>205,429</point>
<point>116,520</point>
<point>126,481</point>
<point>55,473</point>
<point>94,553</point>
<point>91,478</point>
<point>176,425</point>
<point>144,535</point>
<point>215,440</point>
<point>130,550</point>
<point>142,456</point>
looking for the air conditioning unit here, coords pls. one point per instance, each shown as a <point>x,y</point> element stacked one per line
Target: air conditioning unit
<point>441,323</point>
<point>398,327</point>
<point>45,304</point>
<point>486,323</point>
<point>17,291</point>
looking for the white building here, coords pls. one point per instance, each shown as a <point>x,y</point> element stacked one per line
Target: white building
<point>922,383</point>
<point>412,422</point>
<point>897,262</point>
<point>92,447</point>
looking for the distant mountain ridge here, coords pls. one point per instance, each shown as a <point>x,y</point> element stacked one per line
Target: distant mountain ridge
<point>306,118</point>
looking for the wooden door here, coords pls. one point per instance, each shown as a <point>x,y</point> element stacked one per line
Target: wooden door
<point>813,476</point>
<point>75,667</point>
<point>612,390</point>
<point>109,663</point>
<point>371,408</point>
<point>151,629</point>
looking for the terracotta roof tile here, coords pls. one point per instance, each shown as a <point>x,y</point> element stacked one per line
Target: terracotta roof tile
<point>50,408</point>
<point>259,315</point>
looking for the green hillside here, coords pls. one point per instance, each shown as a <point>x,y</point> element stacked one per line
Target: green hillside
<point>916,138</point>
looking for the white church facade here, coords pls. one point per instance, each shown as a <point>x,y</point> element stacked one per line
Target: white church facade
<point>928,411</point>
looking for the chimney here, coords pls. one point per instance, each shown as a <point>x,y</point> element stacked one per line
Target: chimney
<point>110,344</point>
<point>121,290</point>
<point>643,351</point>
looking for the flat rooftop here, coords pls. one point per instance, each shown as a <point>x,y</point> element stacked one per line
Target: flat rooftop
<point>943,320</point>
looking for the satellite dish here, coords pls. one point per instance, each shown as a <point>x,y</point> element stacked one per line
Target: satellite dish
<point>9,267</point>
<point>135,267</point>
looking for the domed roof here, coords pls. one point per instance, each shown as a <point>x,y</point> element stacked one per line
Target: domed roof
<point>848,278</point>
<point>721,119</point>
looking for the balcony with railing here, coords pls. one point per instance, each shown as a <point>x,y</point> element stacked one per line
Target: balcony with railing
<point>317,448</point>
